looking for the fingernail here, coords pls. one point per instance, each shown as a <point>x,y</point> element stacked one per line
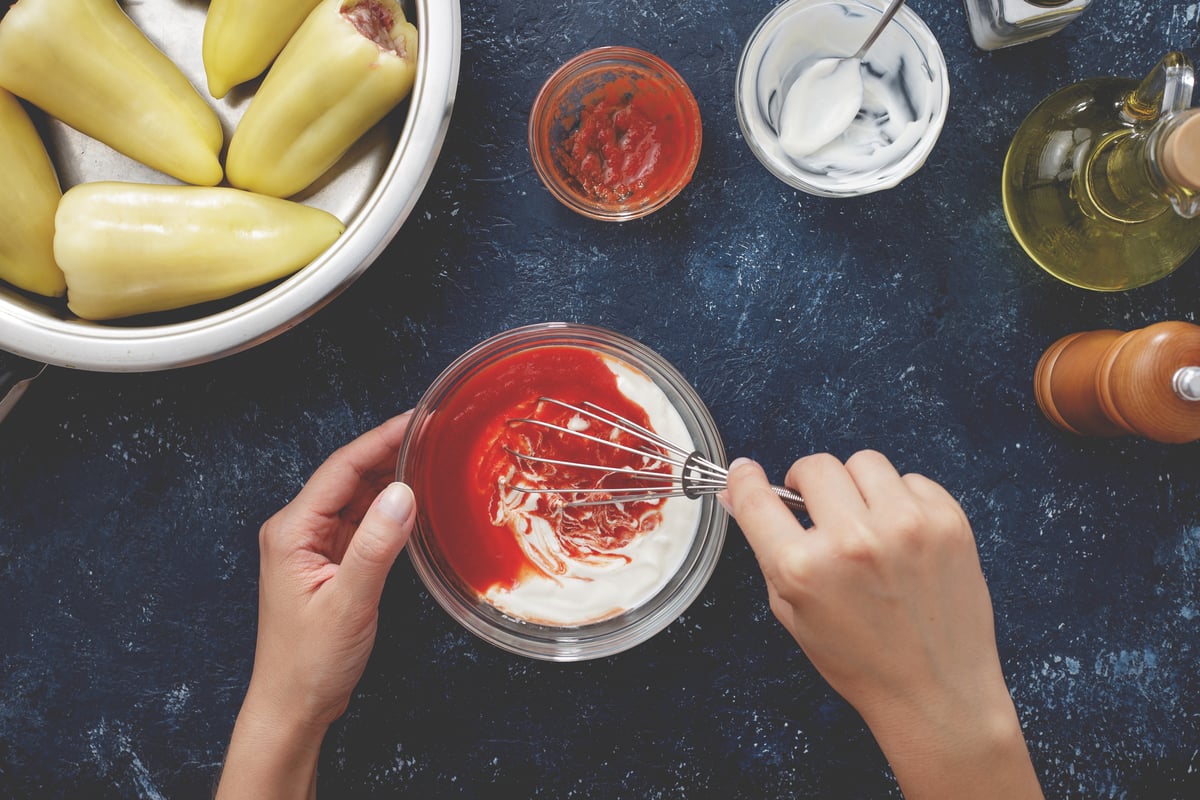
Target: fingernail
<point>737,462</point>
<point>723,499</point>
<point>397,502</point>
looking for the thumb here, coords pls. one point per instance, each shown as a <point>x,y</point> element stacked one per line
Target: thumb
<point>767,523</point>
<point>380,537</point>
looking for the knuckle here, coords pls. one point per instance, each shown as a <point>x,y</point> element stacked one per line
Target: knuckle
<point>859,549</point>
<point>868,458</point>
<point>814,464</point>
<point>793,571</point>
<point>781,609</point>
<point>952,523</point>
<point>370,548</point>
<point>907,519</point>
<point>268,535</point>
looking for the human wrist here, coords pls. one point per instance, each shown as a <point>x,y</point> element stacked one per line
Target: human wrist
<point>271,754</point>
<point>282,715</point>
<point>972,748</point>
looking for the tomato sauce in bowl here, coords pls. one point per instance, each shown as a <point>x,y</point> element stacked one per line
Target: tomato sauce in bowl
<point>615,133</point>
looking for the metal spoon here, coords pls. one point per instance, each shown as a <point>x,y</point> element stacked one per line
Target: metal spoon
<point>825,98</point>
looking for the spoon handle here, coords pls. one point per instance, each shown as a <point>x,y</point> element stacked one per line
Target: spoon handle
<point>887,17</point>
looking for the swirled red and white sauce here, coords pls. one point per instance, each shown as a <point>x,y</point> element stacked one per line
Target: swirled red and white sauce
<point>531,555</point>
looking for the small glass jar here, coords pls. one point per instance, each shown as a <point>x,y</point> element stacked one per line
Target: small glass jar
<point>651,115</point>
<point>1002,23</point>
<point>437,420</point>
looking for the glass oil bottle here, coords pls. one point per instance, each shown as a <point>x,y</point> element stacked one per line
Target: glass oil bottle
<point>1003,23</point>
<point>1101,184</point>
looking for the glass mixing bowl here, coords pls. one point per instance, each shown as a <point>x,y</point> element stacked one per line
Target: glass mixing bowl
<point>436,425</point>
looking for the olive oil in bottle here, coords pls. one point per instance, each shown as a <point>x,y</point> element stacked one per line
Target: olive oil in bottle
<point>1101,183</point>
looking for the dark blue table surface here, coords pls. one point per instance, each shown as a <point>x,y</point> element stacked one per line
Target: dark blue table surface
<point>907,321</point>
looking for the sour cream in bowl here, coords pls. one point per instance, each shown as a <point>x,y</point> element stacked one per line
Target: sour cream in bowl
<point>787,96</point>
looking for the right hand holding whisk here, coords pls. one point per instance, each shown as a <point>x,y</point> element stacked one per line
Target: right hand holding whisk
<point>884,593</point>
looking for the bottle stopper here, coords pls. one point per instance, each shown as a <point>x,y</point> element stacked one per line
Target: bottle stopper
<point>1181,153</point>
<point>1108,383</point>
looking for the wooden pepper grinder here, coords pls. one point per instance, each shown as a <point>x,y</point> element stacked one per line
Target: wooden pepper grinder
<point>1108,383</point>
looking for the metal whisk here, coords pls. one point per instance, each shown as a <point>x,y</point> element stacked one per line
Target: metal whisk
<point>693,475</point>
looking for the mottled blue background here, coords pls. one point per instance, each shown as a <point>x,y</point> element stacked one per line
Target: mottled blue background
<point>907,321</point>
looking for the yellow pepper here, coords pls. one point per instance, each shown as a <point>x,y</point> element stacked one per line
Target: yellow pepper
<point>130,248</point>
<point>86,63</point>
<point>350,63</point>
<point>27,204</point>
<point>242,38</point>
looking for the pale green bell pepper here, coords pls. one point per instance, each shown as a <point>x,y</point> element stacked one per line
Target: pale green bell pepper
<point>86,63</point>
<point>130,248</point>
<point>27,204</point>
<point>349,64</point>
<point>242,38</point>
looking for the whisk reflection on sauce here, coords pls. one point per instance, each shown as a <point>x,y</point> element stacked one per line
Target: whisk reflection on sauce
<point>691,476</point>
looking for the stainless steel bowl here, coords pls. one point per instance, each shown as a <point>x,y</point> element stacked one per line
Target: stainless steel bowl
<point>372,190</point>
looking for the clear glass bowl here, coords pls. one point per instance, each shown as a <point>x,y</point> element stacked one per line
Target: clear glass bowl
<point>473,611</point>
<point>622,76</point>
<point>796,34</point>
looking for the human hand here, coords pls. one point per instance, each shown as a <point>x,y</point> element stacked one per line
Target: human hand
<point>885,595</point>
<point>324,559</point>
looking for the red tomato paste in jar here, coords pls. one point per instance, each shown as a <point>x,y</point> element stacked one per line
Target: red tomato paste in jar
<point>464,490</point>
<point>631,139</point>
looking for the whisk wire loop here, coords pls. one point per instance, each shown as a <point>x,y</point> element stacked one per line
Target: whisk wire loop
<point>693,475</point>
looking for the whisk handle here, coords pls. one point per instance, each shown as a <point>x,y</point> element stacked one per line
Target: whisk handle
<point>790,499</point>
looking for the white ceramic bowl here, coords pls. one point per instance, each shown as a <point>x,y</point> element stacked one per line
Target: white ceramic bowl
<point>372,190</point>
<point>796,34</point>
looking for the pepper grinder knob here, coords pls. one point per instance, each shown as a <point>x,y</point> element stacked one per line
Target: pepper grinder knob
<point>1187,383</point>
<point>1107,383</point>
